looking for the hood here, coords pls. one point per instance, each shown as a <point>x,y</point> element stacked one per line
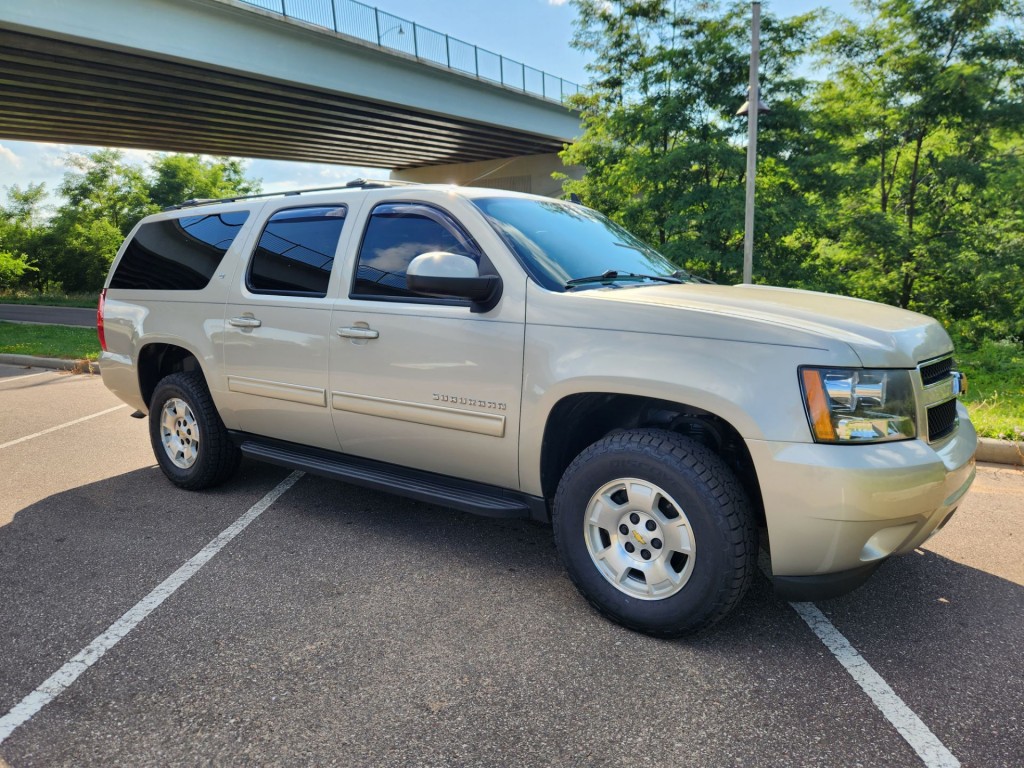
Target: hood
<point>880,335</point>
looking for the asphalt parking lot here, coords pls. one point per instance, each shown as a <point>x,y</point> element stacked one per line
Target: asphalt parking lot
<point>348,627</point>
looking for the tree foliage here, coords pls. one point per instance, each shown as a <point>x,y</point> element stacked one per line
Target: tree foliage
<point>663,146</point>
<point>177,178</point>
<point>22,232</point>
<point>925,107</point>
<point>13,267</point>
<point>103,197</point>
<point>896,178</point>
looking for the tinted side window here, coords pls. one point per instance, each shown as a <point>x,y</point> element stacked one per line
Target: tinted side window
<point>395,235</point>
<point>296,252</point>
<point>177,254</point>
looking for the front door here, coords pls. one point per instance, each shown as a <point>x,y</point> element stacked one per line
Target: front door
<point>424,383</point>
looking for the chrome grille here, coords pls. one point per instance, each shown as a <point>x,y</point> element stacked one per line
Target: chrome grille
<point>940,387</point>
<point>941,420</point>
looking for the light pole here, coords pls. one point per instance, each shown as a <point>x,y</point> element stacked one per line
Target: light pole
<point>386,32</point>
<point>753,95</point>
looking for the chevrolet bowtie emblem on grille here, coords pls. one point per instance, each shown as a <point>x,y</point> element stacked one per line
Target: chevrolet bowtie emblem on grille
<point>639,538</point>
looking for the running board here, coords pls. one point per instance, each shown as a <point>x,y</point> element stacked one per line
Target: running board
<point>464,495</point>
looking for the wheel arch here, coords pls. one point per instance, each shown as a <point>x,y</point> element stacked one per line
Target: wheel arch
<point>578,420</point>
<point>158,359</point>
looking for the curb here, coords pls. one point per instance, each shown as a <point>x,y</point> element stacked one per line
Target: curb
<point>55,363</point>
<point>1000,451</point>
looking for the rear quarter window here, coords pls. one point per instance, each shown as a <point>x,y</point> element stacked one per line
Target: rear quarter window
<point>179,254</point>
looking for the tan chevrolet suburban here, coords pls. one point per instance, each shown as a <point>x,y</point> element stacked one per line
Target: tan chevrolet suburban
<point>518,356</point>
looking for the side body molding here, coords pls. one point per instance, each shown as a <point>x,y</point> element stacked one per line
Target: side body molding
<point>420,413</point>
<point>278,390</point>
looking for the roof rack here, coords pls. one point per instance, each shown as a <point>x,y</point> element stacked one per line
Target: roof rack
<point>357,183</point>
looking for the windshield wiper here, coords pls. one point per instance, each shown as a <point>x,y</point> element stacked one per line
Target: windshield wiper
<point>688,277</point>
<point>612,275</point>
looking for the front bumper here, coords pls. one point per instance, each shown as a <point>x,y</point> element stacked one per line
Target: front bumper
<point>832,509</point>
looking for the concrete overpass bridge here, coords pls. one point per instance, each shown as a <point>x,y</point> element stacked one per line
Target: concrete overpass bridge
<point>329,81</point>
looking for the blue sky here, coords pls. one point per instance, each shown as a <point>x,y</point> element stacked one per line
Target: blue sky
<point>536,32</point>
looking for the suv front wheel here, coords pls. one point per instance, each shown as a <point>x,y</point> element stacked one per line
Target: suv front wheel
<point>655,531</point>
<point>189,440</point>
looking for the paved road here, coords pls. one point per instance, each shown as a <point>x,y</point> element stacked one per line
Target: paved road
<point>347,627</point>
<point>27,313</point>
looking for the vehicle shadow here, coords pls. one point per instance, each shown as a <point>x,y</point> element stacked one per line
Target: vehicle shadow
<point>949,639</point>
<point>373,615</point>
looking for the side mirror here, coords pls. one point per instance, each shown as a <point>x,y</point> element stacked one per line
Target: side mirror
<point>448,275</point>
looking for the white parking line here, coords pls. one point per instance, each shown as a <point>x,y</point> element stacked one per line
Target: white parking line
<point>61,426</point>
<point>9,379</point>
<point>62,679</point>
<point>933,753</point>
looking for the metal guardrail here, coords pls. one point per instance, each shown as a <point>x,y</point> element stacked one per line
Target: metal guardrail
<point>371,25</point>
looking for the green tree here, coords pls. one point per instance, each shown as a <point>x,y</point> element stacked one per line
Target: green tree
<point>22,234</point>
<point>104,197</point>
<point>104,186</point>
<point>12,268</point>
<point>663,147</point>
<point>924,104</point>
<point>177,178</point>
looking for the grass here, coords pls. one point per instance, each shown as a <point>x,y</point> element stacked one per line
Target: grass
<point>49,341</point>
<point>995,395</point>
<point>86,300</point>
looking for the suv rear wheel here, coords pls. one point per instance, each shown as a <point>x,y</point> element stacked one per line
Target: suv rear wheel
<point>189,440</point>
<point>655,531</point>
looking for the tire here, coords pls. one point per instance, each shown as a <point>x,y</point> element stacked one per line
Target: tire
<point>656,532</point>
<point>189,439</point>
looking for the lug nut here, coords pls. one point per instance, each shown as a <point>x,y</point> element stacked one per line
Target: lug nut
<point>634,518</point>
<point>624,530</point>
<point>651,525</point>
<point>656,543</point>
<point>645,554</point>
<point>630,548</point>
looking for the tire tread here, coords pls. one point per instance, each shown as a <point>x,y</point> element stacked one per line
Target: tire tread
<point>219,456</point>
<point>740,546</point>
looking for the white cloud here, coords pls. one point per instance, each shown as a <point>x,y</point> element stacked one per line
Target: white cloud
<point>280,176</point>
<point>24,163</point>
<point>9,156</point>
<point>53,156</point>
<point>139,156</point>
<point>557,2</point>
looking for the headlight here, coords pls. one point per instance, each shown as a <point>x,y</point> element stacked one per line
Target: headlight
<point>856,405</point>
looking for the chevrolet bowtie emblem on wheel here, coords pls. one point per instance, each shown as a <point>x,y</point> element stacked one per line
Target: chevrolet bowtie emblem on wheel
<point>639,538</point>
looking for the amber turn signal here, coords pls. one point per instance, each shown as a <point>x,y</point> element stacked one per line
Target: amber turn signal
<point>817,405</point>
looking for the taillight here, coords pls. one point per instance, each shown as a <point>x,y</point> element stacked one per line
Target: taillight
<point>99,321</point>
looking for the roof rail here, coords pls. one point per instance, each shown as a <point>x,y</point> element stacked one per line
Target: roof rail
<point>357,183</point>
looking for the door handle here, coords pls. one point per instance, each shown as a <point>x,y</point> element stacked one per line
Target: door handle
<point>244,322</point>
<point>358,333</point>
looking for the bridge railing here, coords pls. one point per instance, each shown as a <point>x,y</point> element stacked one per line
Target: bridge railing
<point>372,25</point>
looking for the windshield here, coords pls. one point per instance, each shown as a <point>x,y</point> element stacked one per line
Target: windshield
<point>562,242</point>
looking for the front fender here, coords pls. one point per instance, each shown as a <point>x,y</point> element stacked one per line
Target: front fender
<point>754,387</point>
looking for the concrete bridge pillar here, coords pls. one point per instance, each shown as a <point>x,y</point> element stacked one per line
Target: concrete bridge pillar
<point>529,173</point>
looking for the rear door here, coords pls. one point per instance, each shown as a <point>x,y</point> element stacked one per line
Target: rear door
<point>278,327</point>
